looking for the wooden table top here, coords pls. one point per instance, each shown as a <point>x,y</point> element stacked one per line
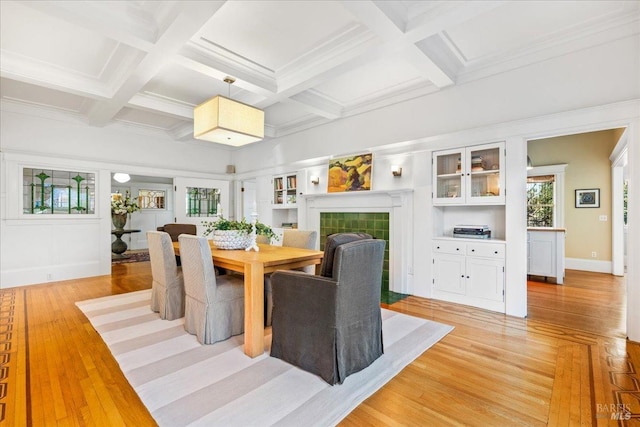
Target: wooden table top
<point>270,256</point>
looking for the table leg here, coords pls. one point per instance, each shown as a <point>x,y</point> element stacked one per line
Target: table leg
<point>254,309</point>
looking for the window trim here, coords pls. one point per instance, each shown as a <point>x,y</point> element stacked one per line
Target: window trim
<point>558,189</point>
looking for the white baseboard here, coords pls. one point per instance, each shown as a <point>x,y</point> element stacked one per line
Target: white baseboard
<point>44,274</point>
<point>588,265</point>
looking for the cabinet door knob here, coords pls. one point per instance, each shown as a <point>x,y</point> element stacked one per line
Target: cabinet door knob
<point>437,247</point>
<point>473,250</point>
<point>495,252</point>
<point>467,277</point>
<point>462,276</point>
<point>457,249</point>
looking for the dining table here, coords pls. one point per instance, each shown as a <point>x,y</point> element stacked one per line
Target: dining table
<point>254,265</point>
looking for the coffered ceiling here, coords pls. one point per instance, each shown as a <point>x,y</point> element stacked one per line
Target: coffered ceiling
<point>148,63</point>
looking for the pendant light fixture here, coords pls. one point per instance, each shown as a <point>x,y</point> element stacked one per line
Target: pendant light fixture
<point>121,177</point>
<point>225,121</point>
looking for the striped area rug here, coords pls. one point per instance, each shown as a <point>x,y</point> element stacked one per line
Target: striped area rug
<point>184,383</point>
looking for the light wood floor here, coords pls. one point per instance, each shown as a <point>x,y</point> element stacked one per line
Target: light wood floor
<point>568,363</point>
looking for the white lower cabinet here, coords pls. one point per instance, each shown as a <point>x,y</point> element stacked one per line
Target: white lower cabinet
<point>469,272</point>
<point>545,253</point>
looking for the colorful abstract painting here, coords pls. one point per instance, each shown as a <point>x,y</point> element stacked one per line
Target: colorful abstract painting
<point>352,173</point>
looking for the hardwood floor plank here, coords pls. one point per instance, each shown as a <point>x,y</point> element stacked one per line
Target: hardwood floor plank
<point>565,364</point>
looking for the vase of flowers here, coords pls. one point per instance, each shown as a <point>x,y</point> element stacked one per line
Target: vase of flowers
<point>120,208</point>
<point>232,234</point>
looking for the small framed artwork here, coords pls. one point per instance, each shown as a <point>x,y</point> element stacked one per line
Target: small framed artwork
<point>589,198</point>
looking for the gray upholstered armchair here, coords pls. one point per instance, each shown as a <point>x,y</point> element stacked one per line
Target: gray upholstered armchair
<point>331,326</point>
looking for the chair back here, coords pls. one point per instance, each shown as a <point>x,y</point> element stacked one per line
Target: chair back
<point>175,230</point>
<point>358,269</point>
<point>333,241</point>
<point>305,239</point>
<point>197,267</point>
<point>164,268</point>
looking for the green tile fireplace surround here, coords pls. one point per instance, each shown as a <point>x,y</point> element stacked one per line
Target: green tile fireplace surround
<point>373,223</point>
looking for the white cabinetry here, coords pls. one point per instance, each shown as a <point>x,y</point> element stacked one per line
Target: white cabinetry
<point>469,272</point>
<point>469,175</point>
<point>545,253</point>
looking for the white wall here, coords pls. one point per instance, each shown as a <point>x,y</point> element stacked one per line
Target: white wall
<point>43,249</point>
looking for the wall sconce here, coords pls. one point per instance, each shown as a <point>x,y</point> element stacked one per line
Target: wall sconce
<point>396,170</point>
<point>315,180</point>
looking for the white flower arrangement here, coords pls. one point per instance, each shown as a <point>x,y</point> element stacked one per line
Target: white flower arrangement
<point>121,206</point>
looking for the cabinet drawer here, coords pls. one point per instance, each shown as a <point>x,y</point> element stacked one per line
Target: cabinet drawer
<point>448,247</point>
<point>486,250</point>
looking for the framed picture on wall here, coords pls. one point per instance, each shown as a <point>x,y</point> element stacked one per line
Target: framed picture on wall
<point>351,173</point>
<point>589,198</point>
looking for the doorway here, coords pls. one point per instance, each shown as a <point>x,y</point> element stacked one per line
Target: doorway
<point>590,229</point>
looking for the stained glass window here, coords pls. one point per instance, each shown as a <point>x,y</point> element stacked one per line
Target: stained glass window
<point>50,191</point>
<point>203,202</point>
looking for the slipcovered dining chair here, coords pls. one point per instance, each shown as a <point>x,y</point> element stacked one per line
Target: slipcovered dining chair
<point>214,307</point>
<point>331,325</point>
<point>167,287</point>
<point>304,239</point>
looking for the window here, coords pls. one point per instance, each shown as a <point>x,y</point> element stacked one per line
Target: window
<point>540,201</point>
<point>203,202</point>
<point>625,195</point>
<point>151,199</point>
<point>50,191</point>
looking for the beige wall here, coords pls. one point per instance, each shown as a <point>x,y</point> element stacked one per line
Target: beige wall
<point>587,157</point>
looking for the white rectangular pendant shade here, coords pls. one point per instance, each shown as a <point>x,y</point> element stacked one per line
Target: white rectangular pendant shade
<point>226,121</point>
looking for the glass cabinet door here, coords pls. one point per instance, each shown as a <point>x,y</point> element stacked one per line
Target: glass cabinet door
<point>448,177</point>
<point>471,175</point>
<point>485,164</point>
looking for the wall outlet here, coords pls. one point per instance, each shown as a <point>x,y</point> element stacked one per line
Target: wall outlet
<point>49,276</point>
<point>603,217</point>
<point>594,255</point>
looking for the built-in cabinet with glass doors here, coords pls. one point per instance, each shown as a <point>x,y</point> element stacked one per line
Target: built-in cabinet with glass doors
<point>469,175</point>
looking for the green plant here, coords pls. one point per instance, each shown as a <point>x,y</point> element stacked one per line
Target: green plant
<point>227,224</point>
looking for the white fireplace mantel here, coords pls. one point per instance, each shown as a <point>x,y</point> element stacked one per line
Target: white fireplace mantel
<point>397,203</point>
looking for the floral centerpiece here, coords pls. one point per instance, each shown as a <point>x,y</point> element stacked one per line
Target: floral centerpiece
<point>233,234</point>
<point>120,207</point>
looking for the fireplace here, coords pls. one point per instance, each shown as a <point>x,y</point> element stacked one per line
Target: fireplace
<point>386,215</point>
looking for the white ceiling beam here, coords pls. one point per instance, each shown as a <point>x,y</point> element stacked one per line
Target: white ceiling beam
<point>316,104</point>
<point>387,29</point>
<point>190,18</point>
<point>134,31</point>
<point>211,64</point>
<point>153,103</point>
<point>26,70</point>
<point>446,15</point>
